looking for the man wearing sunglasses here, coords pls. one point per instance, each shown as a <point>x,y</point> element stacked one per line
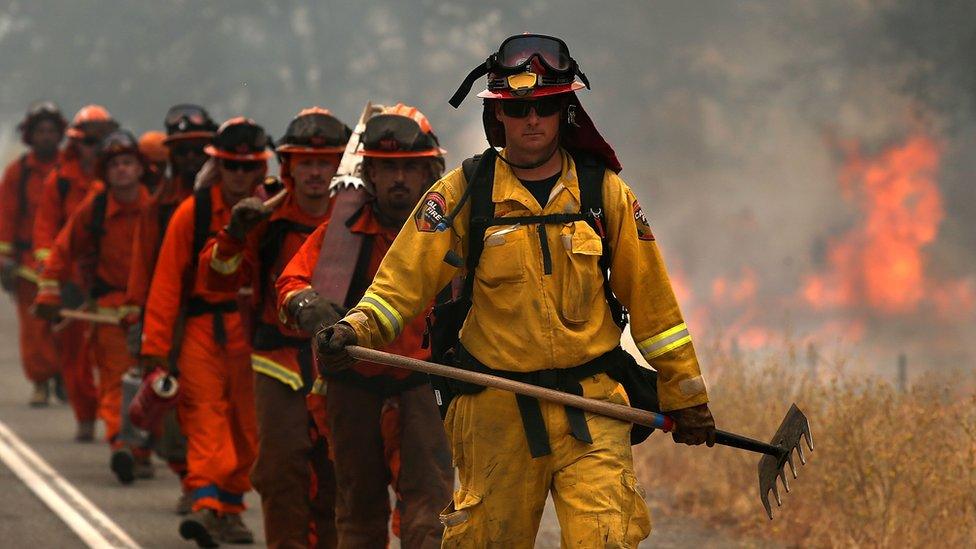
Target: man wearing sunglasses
<point>541,303</point>
<point>401,159</point>
<point>252,250</point>
<point>41,130</point>
<point>64,190</point>
<point>95,243</point>
<point>189,129</point>
<point>216,404</point>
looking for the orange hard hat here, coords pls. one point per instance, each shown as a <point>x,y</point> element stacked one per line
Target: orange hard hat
<point>91,120</point>
<point>152,147</point>
<point>400,131</point>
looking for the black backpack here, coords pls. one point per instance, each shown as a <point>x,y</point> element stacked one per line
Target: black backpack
<point>449,313</point>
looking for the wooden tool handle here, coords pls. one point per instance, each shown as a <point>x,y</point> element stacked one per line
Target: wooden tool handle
<point>609,409</point>
<point>75,314</point>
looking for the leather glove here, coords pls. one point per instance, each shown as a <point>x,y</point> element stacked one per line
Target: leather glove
<point>8,274</point>
<point>311,311</point>
<point>133,338</point>
<point>50,312</point>
<point>330,348</point>
<point>245,215</point>
<point>693,425</point>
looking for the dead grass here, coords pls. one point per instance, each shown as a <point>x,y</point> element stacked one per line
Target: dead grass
<point>889,469</point>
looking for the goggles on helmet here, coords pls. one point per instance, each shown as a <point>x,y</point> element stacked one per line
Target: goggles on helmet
<point>191,113</point>
<point>546,56</point>
<point>117,142</point>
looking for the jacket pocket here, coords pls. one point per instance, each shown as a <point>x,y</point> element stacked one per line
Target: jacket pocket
<point>503,258</point>
<point>582,281</point>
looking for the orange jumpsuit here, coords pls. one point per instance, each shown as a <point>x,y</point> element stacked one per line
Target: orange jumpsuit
<point>52,213</point>
<point>104,262</point>
<point>216,405</point>
<point>40,359</point>
<point>282,473</point>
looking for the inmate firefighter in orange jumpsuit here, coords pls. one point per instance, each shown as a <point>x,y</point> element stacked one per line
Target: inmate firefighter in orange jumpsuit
<point>402,159</point>
<point>216,404</point>
<point>64,189</point>
<point>261,240</point>
<point>189,129</point>
<point>555,246</point>
<point>96,242</point>
<point>42,130</point>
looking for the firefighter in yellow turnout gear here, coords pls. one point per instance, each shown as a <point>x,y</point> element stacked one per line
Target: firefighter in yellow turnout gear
<point>538,310</point>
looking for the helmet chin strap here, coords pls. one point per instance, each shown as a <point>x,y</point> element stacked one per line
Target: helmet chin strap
<point>532,165</point>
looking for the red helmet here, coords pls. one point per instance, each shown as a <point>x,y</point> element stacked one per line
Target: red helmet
<point>92,121</point>
<point>314,131</point>
<point>526,66</point>
<point>151,145</point>
<point>530,66</point>
<point>400,131</point>
<point>240,139</point>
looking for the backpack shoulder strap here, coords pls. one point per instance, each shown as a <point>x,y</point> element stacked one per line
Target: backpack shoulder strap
<point>97,225</point>
<point>202,210</point>
<point>64,185</point>
<point>25,173</point>
<point>479,188</point>
<point>591,174</point>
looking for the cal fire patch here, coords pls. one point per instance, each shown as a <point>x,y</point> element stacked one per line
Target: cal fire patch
<point>643,227</point>
<point>430,213</point>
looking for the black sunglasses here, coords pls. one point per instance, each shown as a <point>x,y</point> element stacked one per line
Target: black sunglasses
<point>544,107</point>
<point>91,141</point>
<point>241,165</point>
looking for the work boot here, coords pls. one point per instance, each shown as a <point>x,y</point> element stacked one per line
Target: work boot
<point>233,530</point>
<point>85,431</point>
<point>59,391</point>
<point>184,505</point>
<point>40,395</point>
<point>202,527</point>
<point>123,465</point>
<point>143,468</point>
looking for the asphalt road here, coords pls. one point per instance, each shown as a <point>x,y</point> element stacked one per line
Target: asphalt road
<point>142,511</point>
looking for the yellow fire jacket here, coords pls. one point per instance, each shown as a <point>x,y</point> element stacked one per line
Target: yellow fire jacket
<point>521,318</point>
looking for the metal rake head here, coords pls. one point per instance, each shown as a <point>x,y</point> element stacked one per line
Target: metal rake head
<point>787,439</point>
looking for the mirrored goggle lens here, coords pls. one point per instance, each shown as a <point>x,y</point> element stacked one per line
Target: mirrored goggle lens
<point>520,109</point>
<point>241,165</point>
<point>516,51</point>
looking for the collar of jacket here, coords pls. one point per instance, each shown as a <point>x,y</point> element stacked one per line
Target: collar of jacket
<point>508,187</point>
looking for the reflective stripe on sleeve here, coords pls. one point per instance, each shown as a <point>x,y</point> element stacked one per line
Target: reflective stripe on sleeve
<point>271,368</point>
<point>665,341</point>
<point>41,254</point>
<point>27,274</point>
<point>388,316</point>
<point>225,266</point>
<point>48,286</point>
<point>6,248</point>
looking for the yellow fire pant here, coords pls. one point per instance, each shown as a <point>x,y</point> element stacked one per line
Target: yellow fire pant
<point>503,490</point>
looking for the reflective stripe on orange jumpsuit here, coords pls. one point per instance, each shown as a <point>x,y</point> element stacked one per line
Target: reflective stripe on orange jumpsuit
<point>39,356</point>
<point>52,213</point>
<point>525,320</point>
<point>356,418</point>
<point>292,452</point>
<point>216,405</point>
<point>74,250</point>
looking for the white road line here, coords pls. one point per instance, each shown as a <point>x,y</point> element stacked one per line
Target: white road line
<point>77,511</point>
